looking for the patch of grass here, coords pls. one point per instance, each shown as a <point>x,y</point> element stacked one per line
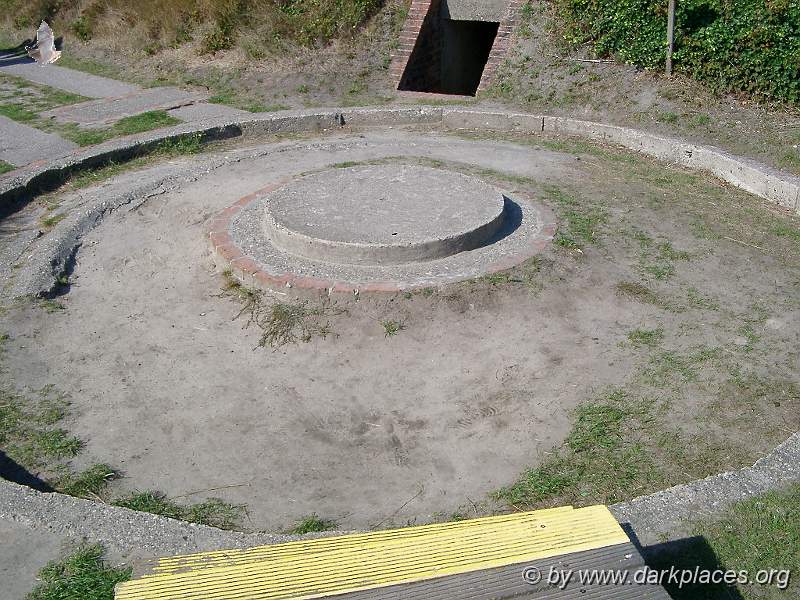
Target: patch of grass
<point>312,524</point>
<point>215,513</point>
<point>83,575</point>
<point>18,113</point>
<point>667,117</point>
<point>346,164</point>
<point>658,259</point>
<point>92,67</point>
<point>281,323</point>
<point>696,299</point>
<point>641,293</point>
<point>37,97</point>
<point>51,306</point>
<point>212,512</point>
<point>662,271</point>
<point>786,230</point>
<point>756,318</point>
<point>127,126</point>
<point>155,503</point>
<point>667,252</point>
<point>6,167</point>
<point>529,274</point>
<point>601,461</point>
<point>286,322</point>
<point>636,291</point>
<point>671,369</point>
<point>703,230</point>
<point>30,436</point>
<point>56,443</point>
<point>392,328</point>
<point>583,221</point>
<point>759,534</point>
<point>699,120</point>
<point>243,102</point>
<point>147,121</point>
<point>90,482</point>
<point>28,431</point>
<point>82,137</point>
<point>181,146</point>
<point>646,337</point>
<point>52,220</point>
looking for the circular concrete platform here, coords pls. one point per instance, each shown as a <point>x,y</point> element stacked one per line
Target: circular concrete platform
<point>383,215</point>
<point>377,228</point>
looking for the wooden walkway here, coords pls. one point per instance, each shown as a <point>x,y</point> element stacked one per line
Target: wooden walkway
<point>480,558</point>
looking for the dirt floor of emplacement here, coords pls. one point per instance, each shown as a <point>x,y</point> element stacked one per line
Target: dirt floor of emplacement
<point>668,307</point>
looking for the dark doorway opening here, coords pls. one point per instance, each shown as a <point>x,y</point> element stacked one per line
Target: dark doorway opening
<point>449,57</point>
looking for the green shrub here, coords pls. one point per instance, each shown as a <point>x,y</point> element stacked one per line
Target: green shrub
<point>731,45</point>
<point>321,20</point>
<point>82,28</point>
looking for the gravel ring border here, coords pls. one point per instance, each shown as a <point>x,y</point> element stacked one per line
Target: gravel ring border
<point>651,515</point>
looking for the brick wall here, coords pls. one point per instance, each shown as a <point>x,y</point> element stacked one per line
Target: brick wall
<point>501,43</point>
<point>423,67</point>
<point>408,37</point>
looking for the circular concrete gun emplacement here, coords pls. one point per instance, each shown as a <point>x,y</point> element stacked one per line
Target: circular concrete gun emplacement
<point>383,215</point>
<point>382,227</point>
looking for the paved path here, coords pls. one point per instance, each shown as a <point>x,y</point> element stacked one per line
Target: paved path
<point>21,144</point>
<point>111,101</point>
<point>23,553</point>
<point>77,82</point>
<point>203,110</point>
<point>108,110</point>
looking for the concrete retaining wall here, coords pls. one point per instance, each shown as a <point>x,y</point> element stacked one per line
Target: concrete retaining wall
<point>776,186</point>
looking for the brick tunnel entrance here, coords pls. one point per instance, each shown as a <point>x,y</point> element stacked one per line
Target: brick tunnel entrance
<point>449,57</point>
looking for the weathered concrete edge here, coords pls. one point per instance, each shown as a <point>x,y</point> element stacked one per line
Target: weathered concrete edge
<point>771,184</point>
<point>759,179</point>
<point>141,535</point>
<point>21,184</point>
<point>671,510</point>
<point>131,534</point>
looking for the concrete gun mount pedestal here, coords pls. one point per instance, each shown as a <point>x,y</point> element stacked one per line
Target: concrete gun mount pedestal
<point>371,228</point>
<point>383,215</point>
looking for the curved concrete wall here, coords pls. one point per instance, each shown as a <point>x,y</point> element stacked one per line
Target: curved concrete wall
<point>759,179</point>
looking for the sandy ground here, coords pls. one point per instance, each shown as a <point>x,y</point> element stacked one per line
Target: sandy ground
<point>358,427</point>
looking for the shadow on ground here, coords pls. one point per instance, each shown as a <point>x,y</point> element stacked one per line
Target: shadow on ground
<point>688,555</point>
<point>11,471</point>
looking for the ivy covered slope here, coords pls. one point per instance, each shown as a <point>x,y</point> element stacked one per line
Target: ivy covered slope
<point>731,45</point>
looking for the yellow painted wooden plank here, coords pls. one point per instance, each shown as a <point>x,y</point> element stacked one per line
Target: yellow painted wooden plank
<point>382,561</point>
<point>173,563</point>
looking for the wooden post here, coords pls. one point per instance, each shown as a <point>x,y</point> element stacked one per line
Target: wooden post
<point>670,36</point>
